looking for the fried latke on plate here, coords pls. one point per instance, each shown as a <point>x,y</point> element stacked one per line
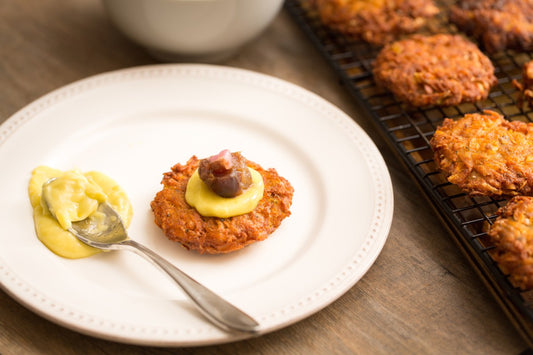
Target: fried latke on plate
<point>485,154</point>
<point>497,24</point>
<point>182,223</point>
<point>512,236</point>
<point>375,21</point>
<point>441,69</point>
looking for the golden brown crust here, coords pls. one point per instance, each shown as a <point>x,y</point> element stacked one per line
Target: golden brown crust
<point>484,154</point>
<point>441,69</point>
<point>182,223</point>
<point>526,86</point>
<point>512,236</point>
<point>375,21</point>
<point>497,24</point>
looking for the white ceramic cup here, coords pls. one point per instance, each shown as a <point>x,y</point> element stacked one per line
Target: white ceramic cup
<point>198,30</point>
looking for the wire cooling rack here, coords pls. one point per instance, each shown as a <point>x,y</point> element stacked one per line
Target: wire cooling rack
<point>408,131</point>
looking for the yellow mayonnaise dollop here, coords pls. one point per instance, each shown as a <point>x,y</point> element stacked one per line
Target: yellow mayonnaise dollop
<point>209,204</point>
<point>74,196</point>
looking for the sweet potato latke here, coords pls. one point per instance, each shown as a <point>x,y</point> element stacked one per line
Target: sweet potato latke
<point>512,236</point>
<point>526,85</point>
<point>375,21</point>
<point>497,24</point>
<point>441,69</point>
<point>212,235</point>
<point>485,154</point>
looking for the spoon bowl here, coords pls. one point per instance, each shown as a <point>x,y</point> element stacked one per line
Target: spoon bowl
<point>104,229</point>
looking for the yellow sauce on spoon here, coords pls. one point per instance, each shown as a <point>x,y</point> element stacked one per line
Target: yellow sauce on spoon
<point>75,195</point>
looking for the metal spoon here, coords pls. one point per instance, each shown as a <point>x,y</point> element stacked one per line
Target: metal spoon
<point>104,230</point>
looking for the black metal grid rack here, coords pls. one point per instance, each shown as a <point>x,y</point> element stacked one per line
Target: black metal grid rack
<point>409,130</point>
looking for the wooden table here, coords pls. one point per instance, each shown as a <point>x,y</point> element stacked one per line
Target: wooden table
<point>421,295</point>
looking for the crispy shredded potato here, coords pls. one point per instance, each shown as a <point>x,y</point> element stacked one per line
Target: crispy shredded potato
<point>497,24</point>
<point>441,69</point>
<point>182,223</point>
<point>512,235</point>
<point>526,86</point>
<point>375,21</point>
<point>485,154</point>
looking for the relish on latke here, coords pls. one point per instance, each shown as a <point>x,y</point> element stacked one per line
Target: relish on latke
<point>214,235</point>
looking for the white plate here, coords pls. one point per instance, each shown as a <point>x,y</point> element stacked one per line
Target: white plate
<point>133,125</point>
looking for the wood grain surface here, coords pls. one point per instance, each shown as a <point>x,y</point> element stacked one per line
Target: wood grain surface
<point>421,296</point>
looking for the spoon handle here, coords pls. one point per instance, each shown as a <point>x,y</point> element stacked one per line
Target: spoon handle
<point>215,308</point>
